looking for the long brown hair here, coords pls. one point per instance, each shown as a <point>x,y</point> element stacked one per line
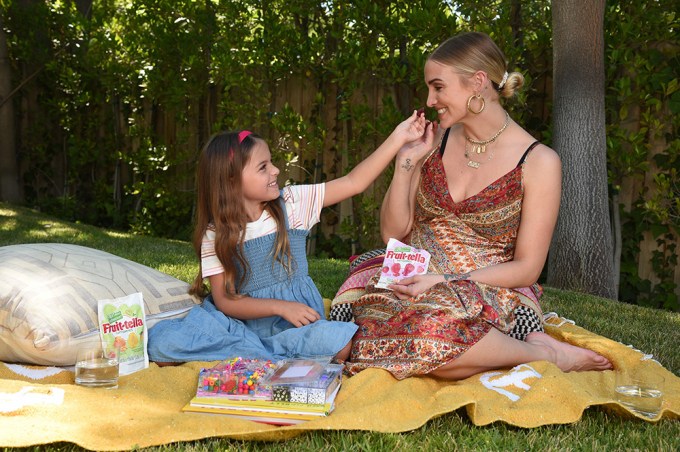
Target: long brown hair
<point>220,207</point>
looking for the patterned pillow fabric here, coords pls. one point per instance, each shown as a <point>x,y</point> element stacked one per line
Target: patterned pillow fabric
<point>361,269</point>
<point>49,294</point>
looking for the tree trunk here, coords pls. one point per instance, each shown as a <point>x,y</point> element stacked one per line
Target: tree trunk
<point>516,25</point>
<point>581,254</point>
<point>10,189</point>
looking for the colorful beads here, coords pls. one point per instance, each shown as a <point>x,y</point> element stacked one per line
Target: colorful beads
<point>236,376</point>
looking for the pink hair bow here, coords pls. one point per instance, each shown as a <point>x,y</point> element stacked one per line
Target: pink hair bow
<point>242,135</point>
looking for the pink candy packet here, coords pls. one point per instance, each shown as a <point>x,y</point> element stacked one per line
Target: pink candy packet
<point>402,261</point>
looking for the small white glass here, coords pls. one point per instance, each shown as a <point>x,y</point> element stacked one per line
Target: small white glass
<point>642,395</point>
<point>97,367</point>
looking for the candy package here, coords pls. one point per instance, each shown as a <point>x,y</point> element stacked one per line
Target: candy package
<point>402,261</point>
<point>122,325</point>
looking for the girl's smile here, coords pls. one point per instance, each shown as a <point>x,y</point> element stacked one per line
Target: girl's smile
<point>259,180</point>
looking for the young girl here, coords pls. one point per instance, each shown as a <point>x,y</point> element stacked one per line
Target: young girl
<point>250,238</point>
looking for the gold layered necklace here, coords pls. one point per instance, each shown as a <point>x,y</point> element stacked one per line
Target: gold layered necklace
<point>479,147</point>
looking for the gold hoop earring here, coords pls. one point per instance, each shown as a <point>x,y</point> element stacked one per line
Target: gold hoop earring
<point>476,96</point>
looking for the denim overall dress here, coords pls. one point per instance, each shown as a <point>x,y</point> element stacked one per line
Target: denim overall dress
<point>206,334</point>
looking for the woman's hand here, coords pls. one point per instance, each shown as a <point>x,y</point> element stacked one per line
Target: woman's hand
<point>298,314</point>
<point>397,209</point>
<point>415,285</point>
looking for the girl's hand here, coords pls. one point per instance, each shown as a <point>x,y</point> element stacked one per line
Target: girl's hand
<point>298,314</point>
<point>412,128</point>
<point>415,285</point>
<point>419,148</point>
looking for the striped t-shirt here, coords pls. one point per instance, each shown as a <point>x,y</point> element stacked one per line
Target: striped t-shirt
<point>303,207</point>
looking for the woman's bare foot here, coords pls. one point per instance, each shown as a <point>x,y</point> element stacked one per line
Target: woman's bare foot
<point>569,357</point>
<point>343,355</point>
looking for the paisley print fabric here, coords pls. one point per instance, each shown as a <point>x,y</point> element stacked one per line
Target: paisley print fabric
<point>416,336</point>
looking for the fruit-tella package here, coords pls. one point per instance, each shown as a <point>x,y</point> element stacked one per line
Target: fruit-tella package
<point>122,325</point>
<point>402,261</point>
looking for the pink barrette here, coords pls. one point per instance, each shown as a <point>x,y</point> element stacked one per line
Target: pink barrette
<point>242,135</point>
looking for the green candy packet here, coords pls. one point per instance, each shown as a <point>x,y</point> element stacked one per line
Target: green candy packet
<point>122,325</point>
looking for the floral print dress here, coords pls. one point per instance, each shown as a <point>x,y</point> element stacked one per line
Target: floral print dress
<point>416,336</point>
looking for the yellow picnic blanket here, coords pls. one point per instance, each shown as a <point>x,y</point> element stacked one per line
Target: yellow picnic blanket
<point>146,408</point>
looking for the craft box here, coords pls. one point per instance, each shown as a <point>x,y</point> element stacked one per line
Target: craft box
<point>238,379</point>
<point>304,381</point>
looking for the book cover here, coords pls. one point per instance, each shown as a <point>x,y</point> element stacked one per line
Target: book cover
<point>276,413</point>
<point>273,420</point>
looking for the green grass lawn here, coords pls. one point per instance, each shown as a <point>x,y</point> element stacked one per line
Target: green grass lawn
<point>652,331</point>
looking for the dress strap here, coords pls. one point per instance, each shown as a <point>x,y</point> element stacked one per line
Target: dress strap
<point>442,144</point>
<point>524,156</point>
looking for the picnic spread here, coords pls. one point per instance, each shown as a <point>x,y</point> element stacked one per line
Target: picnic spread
<point>146,409</point>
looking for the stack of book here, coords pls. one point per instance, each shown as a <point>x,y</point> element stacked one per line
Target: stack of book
<point>283,393</point>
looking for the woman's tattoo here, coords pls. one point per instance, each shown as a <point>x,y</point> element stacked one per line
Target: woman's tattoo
<point>407,165</point>
<point>458,277</point>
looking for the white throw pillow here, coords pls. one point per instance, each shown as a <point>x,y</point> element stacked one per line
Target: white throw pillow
<point>49,294</point>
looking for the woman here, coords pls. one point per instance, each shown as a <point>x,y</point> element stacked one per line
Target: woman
<point>484,203</point>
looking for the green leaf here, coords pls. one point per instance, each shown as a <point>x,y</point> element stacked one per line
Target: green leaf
<point>658,230</point>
